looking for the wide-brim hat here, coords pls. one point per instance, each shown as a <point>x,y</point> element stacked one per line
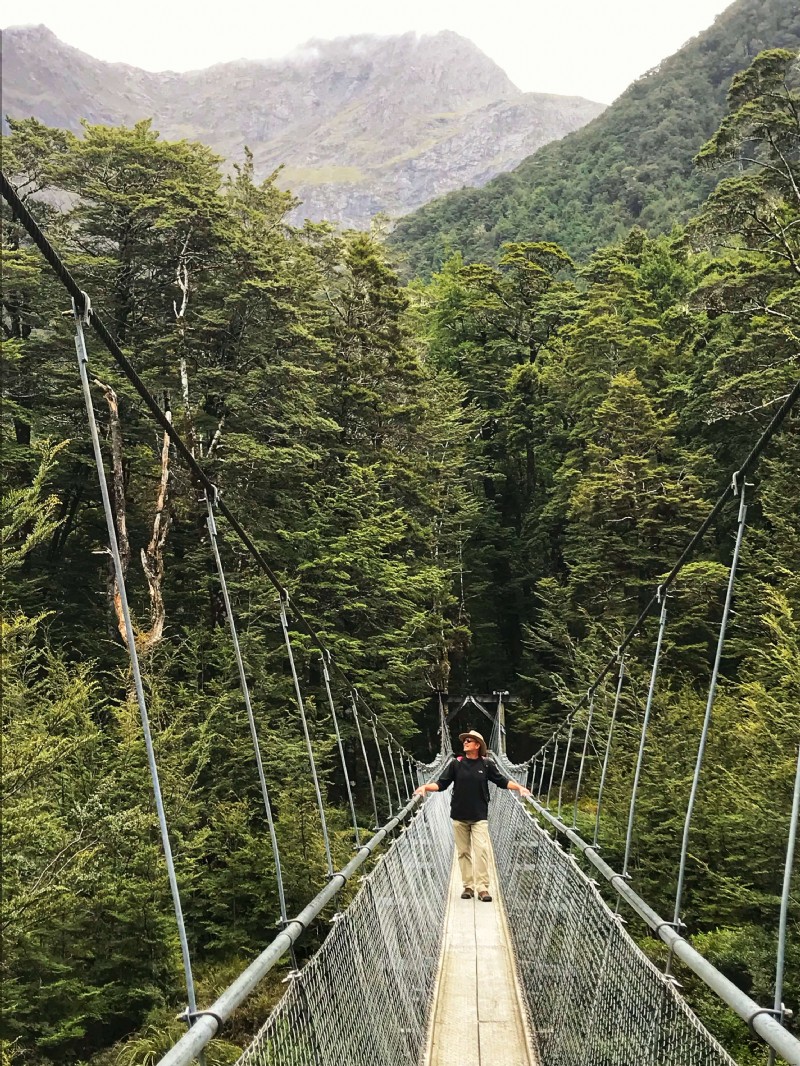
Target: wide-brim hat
<point>475,736</point>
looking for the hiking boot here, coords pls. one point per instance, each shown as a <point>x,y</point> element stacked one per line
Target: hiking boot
<point>468,893</point>
<point>484,897</point>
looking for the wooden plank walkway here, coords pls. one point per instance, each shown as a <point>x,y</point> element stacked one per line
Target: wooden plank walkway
<point>477,1017</point>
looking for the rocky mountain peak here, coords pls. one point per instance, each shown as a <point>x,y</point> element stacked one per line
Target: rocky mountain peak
<point>361,124</point>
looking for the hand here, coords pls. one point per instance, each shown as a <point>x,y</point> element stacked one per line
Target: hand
<point>420,791</point>
<point>525,792</point>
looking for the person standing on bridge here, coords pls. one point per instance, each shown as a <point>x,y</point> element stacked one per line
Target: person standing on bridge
<point>469,809</point>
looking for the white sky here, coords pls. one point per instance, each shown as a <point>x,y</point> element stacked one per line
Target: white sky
<point>591,48</point>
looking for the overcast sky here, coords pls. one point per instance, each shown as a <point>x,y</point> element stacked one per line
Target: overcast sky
<point>591,48</point>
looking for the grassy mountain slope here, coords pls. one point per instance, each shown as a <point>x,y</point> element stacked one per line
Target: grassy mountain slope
<point>631,166</point>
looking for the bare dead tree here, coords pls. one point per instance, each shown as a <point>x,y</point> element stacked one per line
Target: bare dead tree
<point>182,281</point>
<point>216,438</point>
<point>153,555</point>
<point>118,499</point>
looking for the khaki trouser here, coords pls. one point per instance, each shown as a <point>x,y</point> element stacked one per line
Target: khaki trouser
<point>472,845</point>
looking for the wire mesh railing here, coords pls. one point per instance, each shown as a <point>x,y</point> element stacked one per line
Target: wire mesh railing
<point>593,997</point>
<point>363,999</point>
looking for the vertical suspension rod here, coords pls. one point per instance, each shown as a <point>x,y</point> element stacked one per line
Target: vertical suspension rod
<point>564,767</point>
<point>552,771</point>
<point>394,772</point>
<point>402,757</point>
<point>712,691</point>
<point>787,885</point>
<point>383,767</point>
<point>301,707</point>
<point>83,363</point>
<point>356,717</point>
<point>540,789</point>
<point>662,621</point>
<point>212,532</point>
<point>583,759</point>
<point>608,749</point>
<point>327,676</point>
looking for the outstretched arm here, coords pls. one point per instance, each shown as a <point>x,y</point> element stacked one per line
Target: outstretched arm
<point>514,787</point>
<point>430,786</point>
<point>502,781</point>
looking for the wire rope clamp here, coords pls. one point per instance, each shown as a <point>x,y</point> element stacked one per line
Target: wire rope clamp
<point>678,927</point>
<point>292,975</point>
<point>191,1016</point>
<point>778,1015</point>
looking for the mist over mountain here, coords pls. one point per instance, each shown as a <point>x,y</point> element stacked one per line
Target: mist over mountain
<point>361,125</point>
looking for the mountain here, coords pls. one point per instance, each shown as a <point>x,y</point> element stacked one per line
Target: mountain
<point>361,124</point>
<point>631,166</point>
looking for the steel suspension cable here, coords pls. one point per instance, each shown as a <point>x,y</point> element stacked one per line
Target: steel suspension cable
<point>564,768</point>
<point>444,732</point>
<point>712,691</point>
<point>383,767</point>
<point>604,771</point>
<point>541,776</point>
<point>532,774</point>
<point>401,756</point>
<point>306,734</point>
<point>645,722</point>
<point>552,771</point>
<point>243,684</point>
<point>353,699</point>
<point>494,736</point>
<point>583,760</point>
<point>501,718</point>
<point>83,361</point>
<point>779,1010</point>
<point>394,773</point>
<point>327,677</point>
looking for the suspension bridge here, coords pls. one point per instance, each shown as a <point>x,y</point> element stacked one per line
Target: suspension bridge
<point>409,973</point>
